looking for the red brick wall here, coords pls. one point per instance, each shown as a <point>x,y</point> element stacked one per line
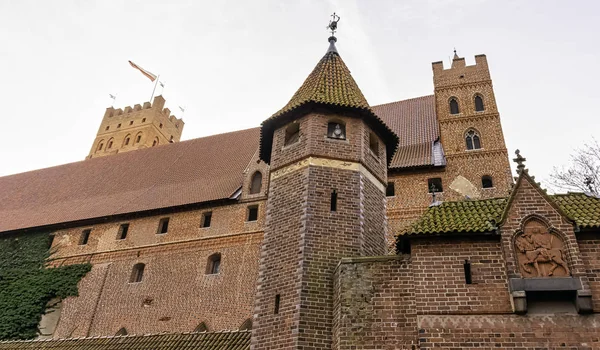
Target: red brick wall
<point>589,248</point>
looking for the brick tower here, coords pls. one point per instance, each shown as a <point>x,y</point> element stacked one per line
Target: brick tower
<point>470,130</point>
<point>136,127</point>
<point>328,154</point>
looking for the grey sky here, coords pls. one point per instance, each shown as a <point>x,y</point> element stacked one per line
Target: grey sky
<point>234,63</point>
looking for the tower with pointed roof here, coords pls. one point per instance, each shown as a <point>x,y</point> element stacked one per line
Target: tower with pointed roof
<point>328,153</point>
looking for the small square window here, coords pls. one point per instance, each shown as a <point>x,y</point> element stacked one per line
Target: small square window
<point>390,190</point>
<point>435,185</point>
<point>206,218</point>
<point>107,127</point>
<point>131,122</point>
<point>163,226</point>
<point>123,229</point>
<point>252,213</point>
<point>143,120</point>
<point>118,125</point>
<point>85,236</point>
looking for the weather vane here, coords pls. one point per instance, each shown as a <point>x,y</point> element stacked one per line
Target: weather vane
<point>333,23</point>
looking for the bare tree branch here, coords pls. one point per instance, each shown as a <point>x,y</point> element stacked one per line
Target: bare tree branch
<point>583,174</point>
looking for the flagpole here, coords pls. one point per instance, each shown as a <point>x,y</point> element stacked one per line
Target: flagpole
<point>153,90</point>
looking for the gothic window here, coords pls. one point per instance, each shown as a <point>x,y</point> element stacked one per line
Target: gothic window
<point>109,145</point>
<point>206,219</point>
<point>486,181</point>
<point>256,183</point>
<point>252,213</point>
<point>137,273</point>
<point>479,103</point>
<point>247,325</point>
<point>454,106</point>
<point>85,236</point>
<point>155,142</point>
<point>336,130</point>
<point>472,140</point>
<point>121,331</point>
<point>435,185</point>
<point>123,229</point>
<point>163,226</point>
<point>138,138</point>
<point>214,264</point>
<point>202,327</point>
<point>100,145</point>
<point>373,143</point>
<point>292,134</point>
<point>126,141</point>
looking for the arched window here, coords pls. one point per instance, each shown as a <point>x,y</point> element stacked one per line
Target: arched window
<point>472,140</point>
<point>127,140</point>
<point>110,143</point>
<point>155,142</point>
<point>121,331</point>
<point>454,106</point>
<point>214,264</point>
<point>137,273</point>
<point>374,143</point>
<point>486,181</point>
<point>256,184</point>
<point>202,327</point>
<point>100,145</point>
<point>247,325</point>
<point>292,134</point>
<point>138,138</point>
<point>479,103</point>
<point>336,130</point>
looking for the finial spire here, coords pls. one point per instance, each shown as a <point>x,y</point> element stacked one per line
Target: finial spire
<point>333,27</point>
<point>455,54</point>
<point>519,160</point>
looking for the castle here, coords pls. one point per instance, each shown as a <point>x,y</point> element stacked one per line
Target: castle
<point>334,225</point>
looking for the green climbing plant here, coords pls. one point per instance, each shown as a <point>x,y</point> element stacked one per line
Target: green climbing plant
<point>27,284</point>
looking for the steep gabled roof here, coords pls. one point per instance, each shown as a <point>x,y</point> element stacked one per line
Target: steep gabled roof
<point>199,170</point>
<point>329,85</point>
<point>234,340</point>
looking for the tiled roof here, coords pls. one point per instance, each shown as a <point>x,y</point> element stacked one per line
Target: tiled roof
<point>199,170</point>
<point>482,215</point>
<point>236,340</point>
<point>415,122</point>
<point>330,84</point>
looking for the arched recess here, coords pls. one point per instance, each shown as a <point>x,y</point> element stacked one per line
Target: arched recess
<point>478,102</point>
<point>453,104</point>
<point>127,140</point>
<point>100,145</point>
<point>202,327</point>
<point>256,182</point>
<point>138,137</point>
<point>109,144</point>
<point>247,325</point>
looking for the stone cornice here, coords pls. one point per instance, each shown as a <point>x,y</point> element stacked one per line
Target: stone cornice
<point>467,118</point>
<point>463,85</point>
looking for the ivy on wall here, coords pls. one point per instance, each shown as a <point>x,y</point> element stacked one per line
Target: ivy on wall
<point>26,285</point>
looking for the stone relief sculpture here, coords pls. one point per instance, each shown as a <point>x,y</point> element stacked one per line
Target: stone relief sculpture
<point>536,247</point>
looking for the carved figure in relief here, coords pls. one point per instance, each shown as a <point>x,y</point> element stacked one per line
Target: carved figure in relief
<point>538,248</point>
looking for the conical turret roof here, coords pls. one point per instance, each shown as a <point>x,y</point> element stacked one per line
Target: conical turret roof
<point>330,85</point>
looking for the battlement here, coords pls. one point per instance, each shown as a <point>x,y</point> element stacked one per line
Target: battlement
<point>460,73</point>
<point>158,105</point>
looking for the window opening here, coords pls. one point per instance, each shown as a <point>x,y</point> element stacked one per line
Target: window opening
<point>137,273</point>
<point>256,183</point>
<point>214,264</point>
<point>123,229</point>
<point>131,122</point>
<point>478,103</point>
<point>551,302</point>
<point>454,106</point>
<point>472,139</point>
<point>143,120</point>
<point>486,181</point>
<point>435,185</point>
<point>334,197</point>
<point>109,145</point>
<point>247,325</point>
<point>121,331</point>
<point>138,139</point>
<point>118,125</point>
<point>163,226</point>
<point>206,219</point>
<point>202,327</point>
<point>107,127</point>
<point>292,134</point>
<point>403,246</point>
<point>277,302</point>
<point>467,270</point>
<point>126,141</point>
<point>390,190</point>
<point>252,213</point>
<point>373,143</point>
<point>336,131</point>
<point>100,146</point>
<point>85,236</point>
<point>160,125</point>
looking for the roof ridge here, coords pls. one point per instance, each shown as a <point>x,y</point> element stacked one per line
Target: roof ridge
<point>400,101</point>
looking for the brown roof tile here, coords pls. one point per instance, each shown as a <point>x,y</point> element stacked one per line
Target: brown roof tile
<point>227,340</point>
<point>198,170</point>
<point>415,122</point>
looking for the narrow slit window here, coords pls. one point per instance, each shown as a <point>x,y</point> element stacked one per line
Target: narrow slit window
<point>118,125</point>
<point>390,190</point>
<point>277,302</point>
<point>85,236</point>
<point>131,122</point>
<point>213,265</point>
<point>109,146</point>
<point>373,144</point>
<point>138,139</point>
<point>334,197</point>
<point>163,226</point>
<point>252,213</point>
<point>467,270</point>
<point>206,219</point>
<point>137,273</point>
<point>123,229</point>
<point>126,141</point>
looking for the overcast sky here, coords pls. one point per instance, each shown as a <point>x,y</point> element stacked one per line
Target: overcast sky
<point>232,64</point>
